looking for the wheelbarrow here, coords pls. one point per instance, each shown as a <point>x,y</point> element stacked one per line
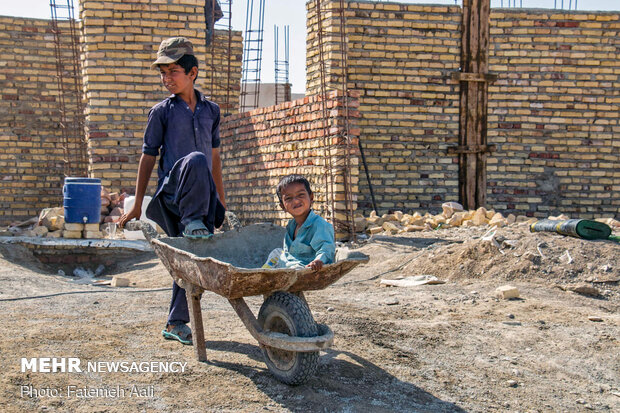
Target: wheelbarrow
<point>229,264</point>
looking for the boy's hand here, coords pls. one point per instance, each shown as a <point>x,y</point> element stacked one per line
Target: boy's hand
<point>128,216</point>
<point>315,265</point>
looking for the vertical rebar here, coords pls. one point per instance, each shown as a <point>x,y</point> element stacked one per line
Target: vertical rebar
<point>71,126</point>
<point>329,181</point>
<point>281,66</point>
<point>252,55</point>
<point>346,138</point>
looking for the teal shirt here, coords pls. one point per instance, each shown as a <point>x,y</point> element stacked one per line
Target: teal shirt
<point>315,240</point>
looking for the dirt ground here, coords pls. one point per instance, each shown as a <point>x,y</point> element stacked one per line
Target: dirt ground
<point>431,348</point>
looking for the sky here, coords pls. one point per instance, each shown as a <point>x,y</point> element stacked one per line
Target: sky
<point>293,13</point>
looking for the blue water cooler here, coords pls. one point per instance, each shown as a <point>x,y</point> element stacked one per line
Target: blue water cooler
<point>82,200</point>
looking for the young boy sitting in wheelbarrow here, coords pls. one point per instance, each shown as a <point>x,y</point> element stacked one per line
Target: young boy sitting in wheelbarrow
<point>309,240</point>
<point>184,130</point>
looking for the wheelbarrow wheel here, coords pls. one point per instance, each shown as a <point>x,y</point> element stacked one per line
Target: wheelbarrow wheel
<point>288,314</point>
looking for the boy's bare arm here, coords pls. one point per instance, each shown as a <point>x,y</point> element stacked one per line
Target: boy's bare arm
<point>145,168</point>
<point>315,265</point>
<point>216,162</point>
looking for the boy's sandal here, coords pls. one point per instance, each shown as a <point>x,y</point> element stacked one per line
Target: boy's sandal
<point>180,332</point>
<point>192,227</point>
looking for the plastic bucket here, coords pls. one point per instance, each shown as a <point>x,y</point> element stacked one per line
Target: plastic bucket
<point>82,200</point>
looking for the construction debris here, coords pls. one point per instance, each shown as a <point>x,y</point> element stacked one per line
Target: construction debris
<point>507,292</point>
<point>412,281</point>
<point>453,215</point>
<point>119,281</point>
<point>51,222</point>
<point>584,289</point>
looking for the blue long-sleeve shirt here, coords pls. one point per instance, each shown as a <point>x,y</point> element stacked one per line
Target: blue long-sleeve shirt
<point>314,240</point>
<point>173,131</point>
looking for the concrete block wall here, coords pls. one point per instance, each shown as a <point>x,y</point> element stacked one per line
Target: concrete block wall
<point>121,38</point>
<point>261,146</point>
<point>31,144</point>
<point>553,112</point>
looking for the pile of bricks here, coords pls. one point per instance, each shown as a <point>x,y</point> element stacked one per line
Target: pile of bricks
<point>52,224</point>
<point>111,206</point>
<point>452,215</point>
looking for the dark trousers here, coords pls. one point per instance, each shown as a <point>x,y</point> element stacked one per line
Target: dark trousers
<point>187,193</point>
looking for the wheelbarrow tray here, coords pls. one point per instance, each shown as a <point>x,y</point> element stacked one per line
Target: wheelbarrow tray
<point>229,263</point>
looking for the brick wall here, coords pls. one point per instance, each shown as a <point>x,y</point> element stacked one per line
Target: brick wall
<point>31,144</point>
<point>262,146</point>
<point>121,39</point>
<point>118,44</point>
<point>398,58</point>
<point>553,112</point>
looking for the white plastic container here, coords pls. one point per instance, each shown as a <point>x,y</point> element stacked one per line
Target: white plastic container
<point>129,201</point>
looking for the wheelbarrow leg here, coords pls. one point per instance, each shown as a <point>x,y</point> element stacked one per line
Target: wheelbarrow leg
<point>194,294</point>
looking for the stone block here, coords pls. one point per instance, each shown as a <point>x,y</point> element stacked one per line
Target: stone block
<point>507,292</point>
<point>456,219</point>
<point>391,227</point>
<point>498,220</point>
<point>93,234</point>
<point>449,208</point>
<point>52,218</point>
<point>54,234</point>
<point>73,227</point>
<point>91,227</point>
<point>480,216</point>
<point>40,231</point>
<point>72,234</point>
<point>119,281</point>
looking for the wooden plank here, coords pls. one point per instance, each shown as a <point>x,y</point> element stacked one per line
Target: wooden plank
<point>485,11</point>
<point>472,104</point>
<point>472,148</point>
<point>471,139</point>
<point>481,190</point>
<point>193,295</point>
<point>463,103</point>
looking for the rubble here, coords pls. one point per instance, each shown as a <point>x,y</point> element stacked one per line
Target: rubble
<point>51,222</point>
<point>120,281</point>
<point>507,292</point>
<point>453,215</point>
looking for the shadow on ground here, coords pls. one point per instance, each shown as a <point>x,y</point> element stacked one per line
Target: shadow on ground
<point>410,242</point>
<point>344,382</point>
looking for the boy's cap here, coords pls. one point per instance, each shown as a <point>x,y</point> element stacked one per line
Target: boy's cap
<point>171,50</point>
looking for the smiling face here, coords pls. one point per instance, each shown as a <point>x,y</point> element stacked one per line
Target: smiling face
<point>176,80</point>
<point>296,201</point>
